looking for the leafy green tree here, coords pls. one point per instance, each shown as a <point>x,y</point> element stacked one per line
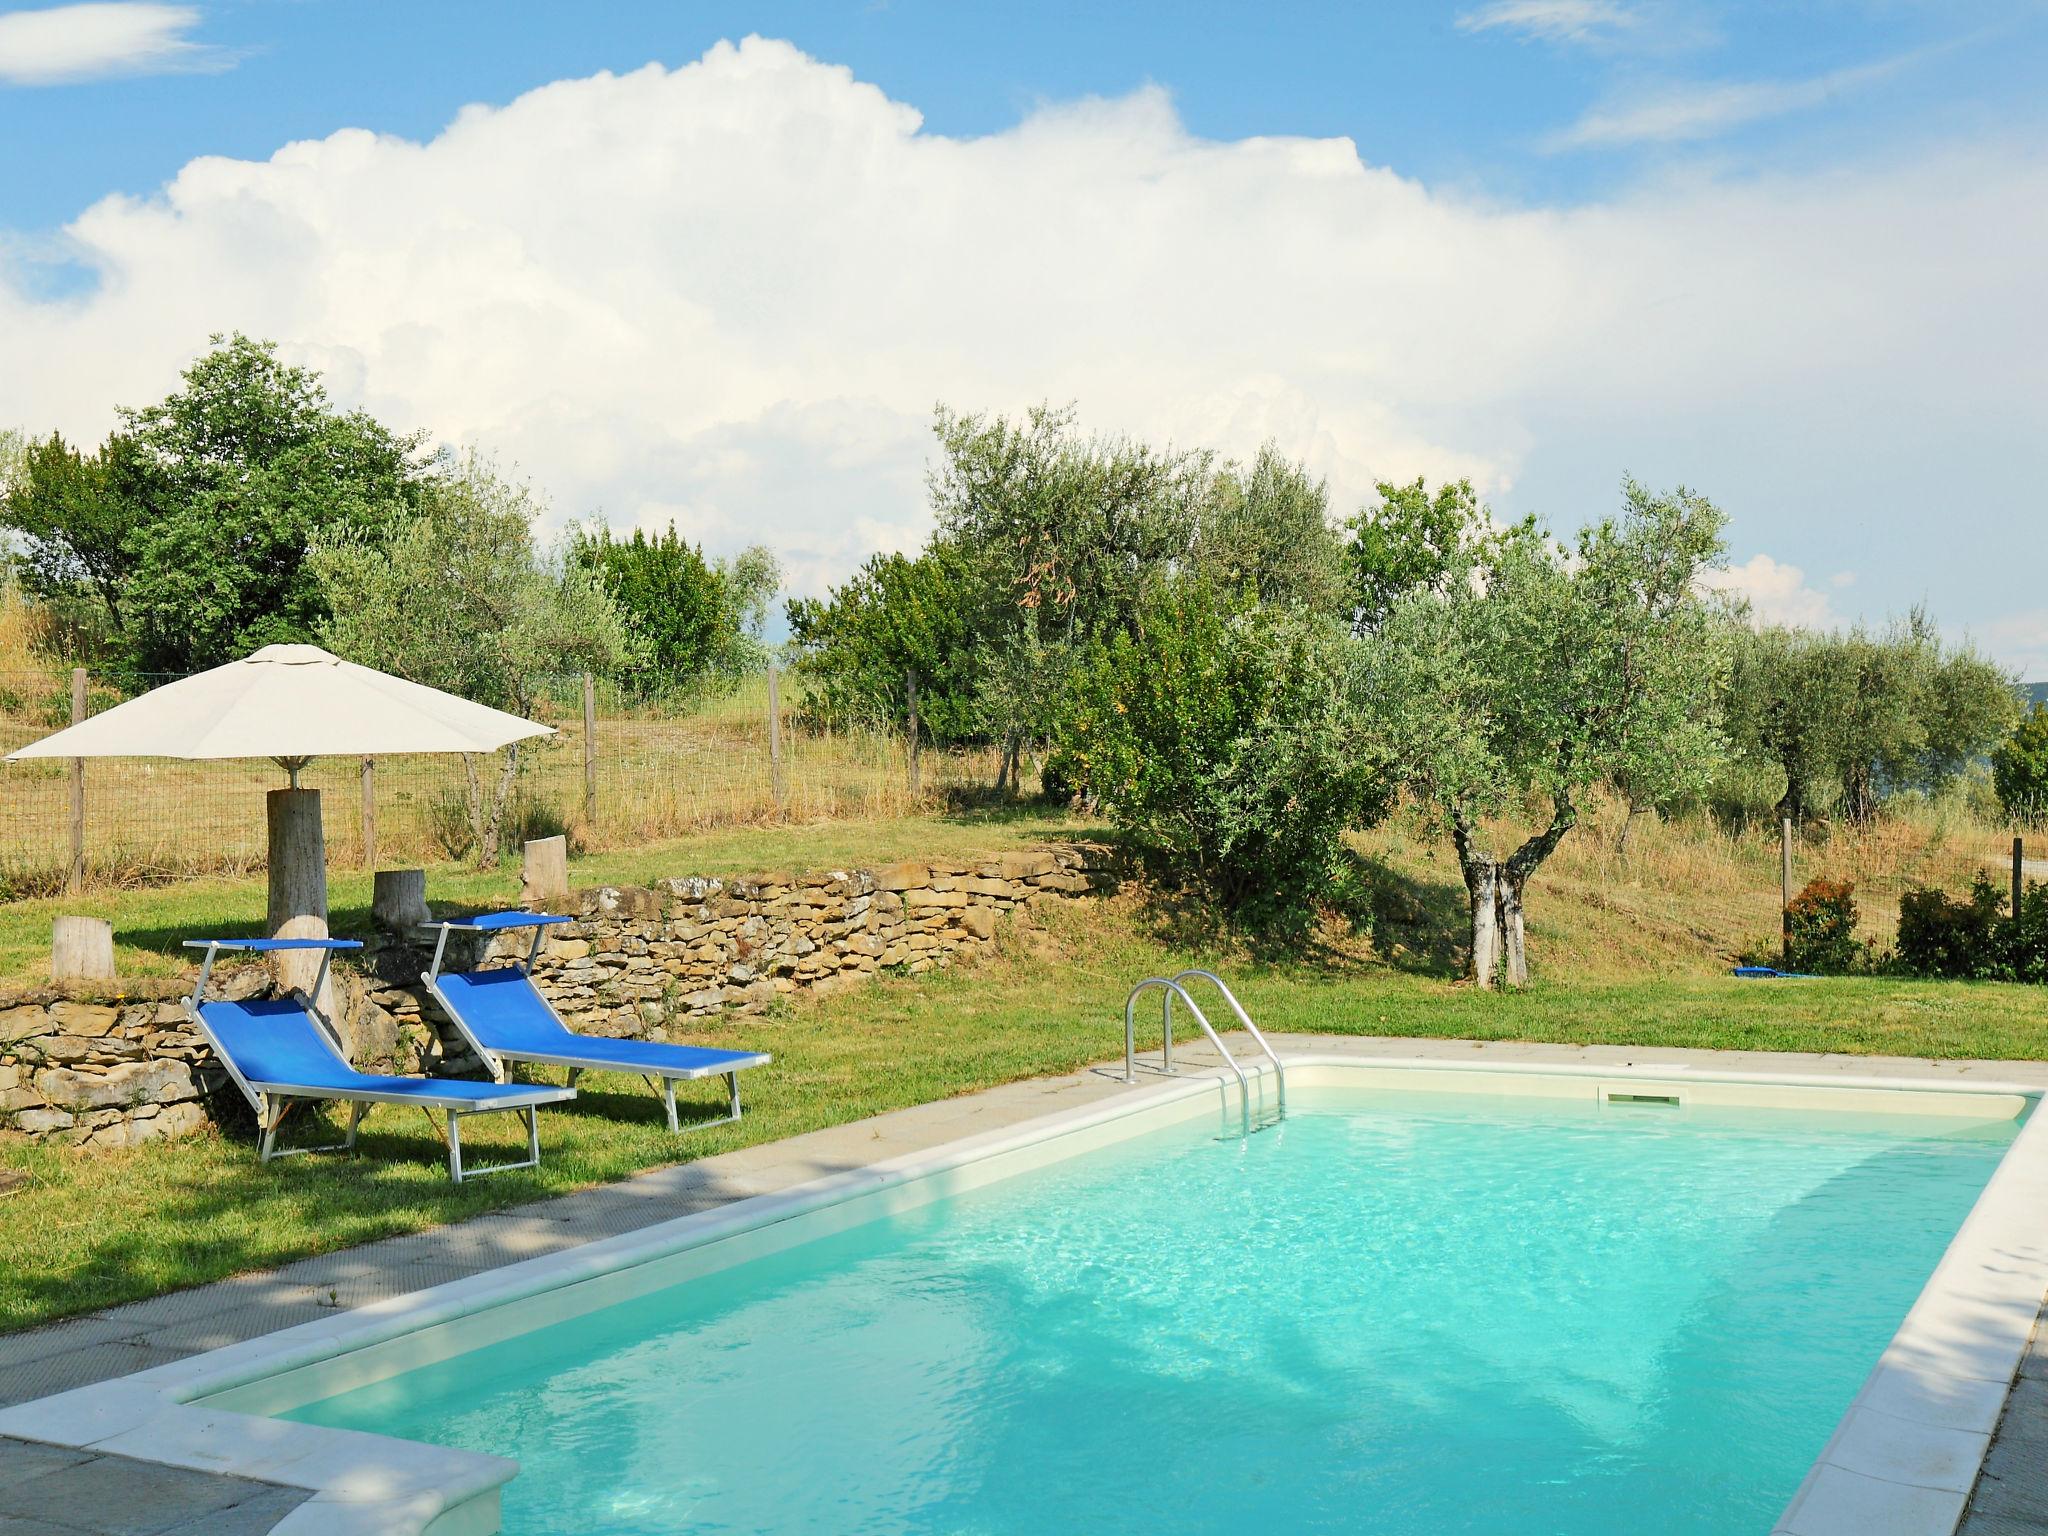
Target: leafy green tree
<point>1225,738</point>
<point>1786,708</point>
<point>1267,529</point>
<point>1521,670</point>
<point>1411,542</point>
<point>1058,535</point>
<point>234,477</point>
<point>190,526</point>
<point>2019,768</point>
<point>748,583</point>
<point>896,617</point>
<point>1852,718</point>
<point>13,459</point>
<point>666,591</point>
<point>1045,541</point>
<point>72,523</point>
<point>465,600</point>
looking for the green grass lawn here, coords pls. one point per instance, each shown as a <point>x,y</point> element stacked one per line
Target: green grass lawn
<point>149,922</point>
<point>90,1231</point>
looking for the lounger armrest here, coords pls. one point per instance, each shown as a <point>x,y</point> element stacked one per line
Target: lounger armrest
<point>273,944</point>
<point>492,922</point>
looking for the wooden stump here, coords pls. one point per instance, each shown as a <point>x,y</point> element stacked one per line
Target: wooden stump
<point>545,875</point>
<point>82,949</point>
<point>398,901</point>
<point>298,887</point>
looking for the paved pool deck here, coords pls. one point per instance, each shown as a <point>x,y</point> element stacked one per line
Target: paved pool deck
<point>44,1490</point>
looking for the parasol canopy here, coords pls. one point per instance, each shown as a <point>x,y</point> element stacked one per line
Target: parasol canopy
<point>291,703</point>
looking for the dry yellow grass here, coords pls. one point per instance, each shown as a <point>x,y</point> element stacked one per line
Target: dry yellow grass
<point>1689,894</point>
<point>659,775</point>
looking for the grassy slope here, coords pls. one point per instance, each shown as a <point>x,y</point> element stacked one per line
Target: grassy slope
<point>1623,959</point>
<point>149,923</point>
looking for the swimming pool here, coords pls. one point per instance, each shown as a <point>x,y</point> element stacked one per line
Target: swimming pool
<point>1398,1311</point>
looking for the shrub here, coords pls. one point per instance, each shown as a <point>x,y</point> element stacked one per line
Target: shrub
<point>2019,768</point>
<point>1820,926</point>
<point>1958,938</point>
<point>1224,740</point>
<point>2029,946</point>
<point>449,824</point>
<point>529,816</point>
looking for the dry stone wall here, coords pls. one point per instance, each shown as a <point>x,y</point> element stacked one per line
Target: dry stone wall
<point>121,1067</point>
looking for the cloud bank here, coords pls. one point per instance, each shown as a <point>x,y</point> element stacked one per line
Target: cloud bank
<point>86,42</point>
<point>1778,593</point>
<point>730,293</point>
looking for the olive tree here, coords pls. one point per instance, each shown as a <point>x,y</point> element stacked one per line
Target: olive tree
<point>1523,670</point>
<point>464,599</point>
<point>1851,718</point>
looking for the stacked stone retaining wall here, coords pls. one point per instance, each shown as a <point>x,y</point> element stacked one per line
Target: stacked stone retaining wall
<point>117,1066</point>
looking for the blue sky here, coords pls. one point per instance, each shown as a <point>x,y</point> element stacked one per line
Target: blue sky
<point>1776,251</point>
<point>1427,89</point>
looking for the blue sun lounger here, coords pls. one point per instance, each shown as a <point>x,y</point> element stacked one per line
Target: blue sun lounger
<point>280,1054</point>
<point>505,1019</point>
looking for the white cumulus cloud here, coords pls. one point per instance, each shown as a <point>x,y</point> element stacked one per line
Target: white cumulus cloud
<point>730,294</point>
<point>84,42</point>
<point>1778,593</point>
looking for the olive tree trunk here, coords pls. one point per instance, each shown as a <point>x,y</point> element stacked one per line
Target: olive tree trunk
<point>487,807</point>
<point>1494,890</point>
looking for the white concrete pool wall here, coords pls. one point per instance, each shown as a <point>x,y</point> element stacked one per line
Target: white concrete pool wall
<point>1901,1462</point>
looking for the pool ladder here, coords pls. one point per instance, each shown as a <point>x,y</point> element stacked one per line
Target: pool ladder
<point>1171,987</point>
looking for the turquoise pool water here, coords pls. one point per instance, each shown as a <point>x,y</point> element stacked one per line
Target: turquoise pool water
<point>1394,1313</point>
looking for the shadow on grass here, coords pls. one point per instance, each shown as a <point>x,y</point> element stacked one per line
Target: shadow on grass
<point>217,1211</point>
<point>1371,916</point>
<point>347,921</point>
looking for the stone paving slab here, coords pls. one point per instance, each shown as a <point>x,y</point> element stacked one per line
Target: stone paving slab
<point>98,1494</point>
<point>43,1489</point>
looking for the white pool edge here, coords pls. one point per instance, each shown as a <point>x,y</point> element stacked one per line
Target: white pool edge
<point>1902,1461</point>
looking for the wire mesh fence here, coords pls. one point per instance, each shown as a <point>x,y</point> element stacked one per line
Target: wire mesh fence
<point>644,770</point>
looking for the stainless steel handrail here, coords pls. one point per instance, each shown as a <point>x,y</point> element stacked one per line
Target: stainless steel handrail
<point>1230,997</point>
<point>1173,989</point>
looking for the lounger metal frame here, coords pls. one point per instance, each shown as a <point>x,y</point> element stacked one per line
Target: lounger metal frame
<point>495,1062</point>
<point>274,1101</point>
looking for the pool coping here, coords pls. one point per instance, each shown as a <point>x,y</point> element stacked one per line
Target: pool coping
<point>1902,1460</point>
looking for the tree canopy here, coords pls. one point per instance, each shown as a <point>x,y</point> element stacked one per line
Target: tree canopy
<point>187,530</point>
<point>2019,768</point>
<point>1045,542</point>
<point>1227,738</point>
<point>464,599</point>
<point>698,621</point>
<point>1850,718</point>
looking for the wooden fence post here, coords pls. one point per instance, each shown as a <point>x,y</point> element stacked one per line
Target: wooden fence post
<point>590,754</point>
<point>74,877</point>
<point>370,813</point>
<point>916,768</point>
<point>776,774</point>
<point>2019,864</point>
<point>1785,885</point>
